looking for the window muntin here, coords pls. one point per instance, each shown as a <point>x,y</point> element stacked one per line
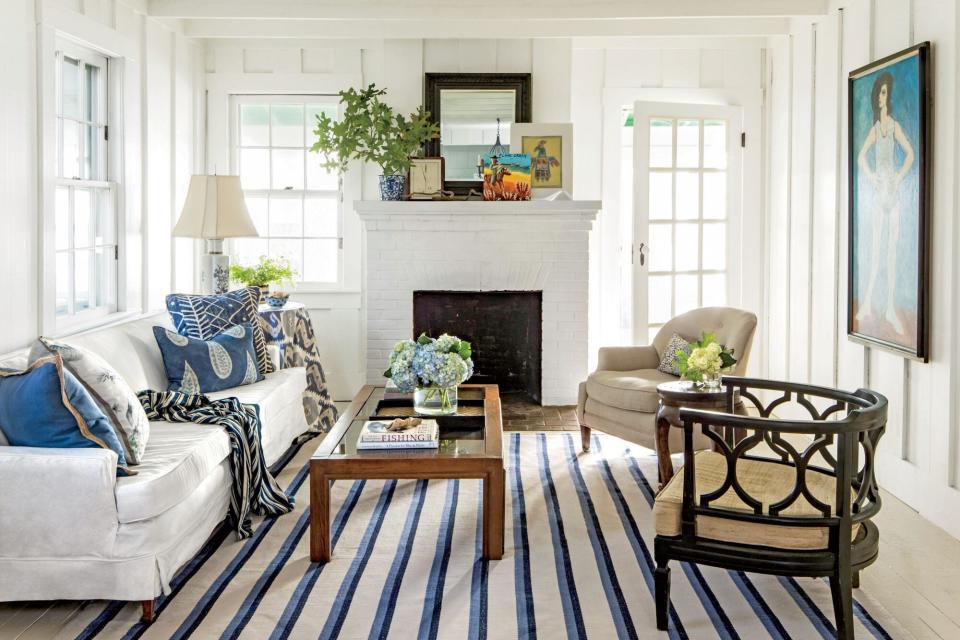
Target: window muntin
<point>85,214</point>
<point>294,202</point>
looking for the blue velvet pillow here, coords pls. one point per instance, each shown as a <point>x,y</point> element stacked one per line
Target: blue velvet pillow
<point>203,317</point>
<point>202,366</point>
<point>46,406</point>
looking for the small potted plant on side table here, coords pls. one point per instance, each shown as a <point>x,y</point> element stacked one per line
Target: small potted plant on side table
<point>369,130</point>
<point>264,273</point>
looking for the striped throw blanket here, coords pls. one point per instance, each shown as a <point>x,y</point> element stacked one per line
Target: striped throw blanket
<point>254,489</point>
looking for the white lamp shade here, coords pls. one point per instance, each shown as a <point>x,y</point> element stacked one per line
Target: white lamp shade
<point>215,208</point>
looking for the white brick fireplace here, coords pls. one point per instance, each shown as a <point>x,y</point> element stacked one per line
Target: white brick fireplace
<point>481,246</point>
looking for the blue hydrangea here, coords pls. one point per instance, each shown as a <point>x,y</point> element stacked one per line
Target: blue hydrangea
<point>404,378</point>
<point>426,362</point>
<point>451,370</point>
<point>435,362</point>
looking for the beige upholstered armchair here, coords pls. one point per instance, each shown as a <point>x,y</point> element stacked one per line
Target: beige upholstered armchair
<point>620,397</point>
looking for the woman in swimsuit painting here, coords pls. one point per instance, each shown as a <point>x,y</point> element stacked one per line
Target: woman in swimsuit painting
<point>886,176</point>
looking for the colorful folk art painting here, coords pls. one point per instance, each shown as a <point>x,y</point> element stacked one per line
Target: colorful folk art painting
<point>506,177</point>
<point>887,303</point>
<point>546,160</point>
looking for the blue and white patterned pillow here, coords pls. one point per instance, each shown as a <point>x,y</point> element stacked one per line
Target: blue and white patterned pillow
<point>203,317</point>
<point>45,405</point>
<point>109,390</point>
<point>202,366</point>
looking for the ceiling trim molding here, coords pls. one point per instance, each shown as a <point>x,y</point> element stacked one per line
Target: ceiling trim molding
<point>477,28</point>
<point>446,10</point>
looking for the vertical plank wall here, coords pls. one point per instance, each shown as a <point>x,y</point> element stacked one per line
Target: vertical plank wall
<point>19,262</point>
<point>807,237</point>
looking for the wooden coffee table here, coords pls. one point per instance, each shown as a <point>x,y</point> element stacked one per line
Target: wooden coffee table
<point>471,447</point>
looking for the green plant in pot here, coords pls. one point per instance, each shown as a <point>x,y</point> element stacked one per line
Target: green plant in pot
<point>370,130</point>
<point>264,273</point>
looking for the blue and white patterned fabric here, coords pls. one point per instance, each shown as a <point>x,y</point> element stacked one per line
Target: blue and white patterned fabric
<point>203,317</point>
<point>291,330</point>
<point>254,490</point>
<point>203,366</point>
<point>46,406</point>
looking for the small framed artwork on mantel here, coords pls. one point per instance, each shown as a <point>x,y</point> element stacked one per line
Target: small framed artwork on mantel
<point>425,178</point>
<point>551,155</point>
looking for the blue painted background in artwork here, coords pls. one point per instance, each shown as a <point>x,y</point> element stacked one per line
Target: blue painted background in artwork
<point>904,107</point>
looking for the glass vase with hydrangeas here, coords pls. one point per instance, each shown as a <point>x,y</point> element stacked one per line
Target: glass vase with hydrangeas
<point>431,368</point>
<point>705,361</point>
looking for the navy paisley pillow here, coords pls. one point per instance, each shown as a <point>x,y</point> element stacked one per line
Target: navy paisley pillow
<point>203,317</point>
<point>203,366</point>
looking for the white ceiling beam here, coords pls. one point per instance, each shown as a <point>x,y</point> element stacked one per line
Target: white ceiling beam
<point>654,43</point>
<point>477,28</point>
<point>450,10</point>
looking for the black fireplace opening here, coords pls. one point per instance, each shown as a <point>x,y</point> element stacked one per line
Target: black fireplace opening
<point>503,327</point>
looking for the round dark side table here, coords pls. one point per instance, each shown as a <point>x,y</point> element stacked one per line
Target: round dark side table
<point>679,395</point>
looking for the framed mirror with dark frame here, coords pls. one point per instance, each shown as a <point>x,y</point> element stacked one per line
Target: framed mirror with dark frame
<point>467,106</point>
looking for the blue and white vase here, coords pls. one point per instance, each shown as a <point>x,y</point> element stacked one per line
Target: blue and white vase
<point>393,187</point>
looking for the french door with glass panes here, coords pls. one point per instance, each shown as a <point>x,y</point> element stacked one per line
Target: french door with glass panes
<point>686,211</point>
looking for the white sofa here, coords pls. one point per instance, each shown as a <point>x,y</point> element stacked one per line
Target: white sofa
<point>70,529</point>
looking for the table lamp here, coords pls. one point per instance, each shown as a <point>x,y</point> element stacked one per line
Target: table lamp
<point>214,210</point>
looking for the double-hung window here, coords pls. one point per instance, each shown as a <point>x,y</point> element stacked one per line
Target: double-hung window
<point>85,213</point>
<point>294,202</point>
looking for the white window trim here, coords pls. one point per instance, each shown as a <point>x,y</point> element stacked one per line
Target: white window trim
<point>51,41</point>
<point>233,100</point>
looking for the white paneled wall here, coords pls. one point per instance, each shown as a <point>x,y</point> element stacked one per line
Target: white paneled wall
<point>187,142</point>
<point>807,237</point>
<point>160,91</point>
<point>158,172</point>
<point>19,262</point>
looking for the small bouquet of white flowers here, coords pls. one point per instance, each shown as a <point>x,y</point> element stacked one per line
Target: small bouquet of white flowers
<point>705,362</point>
<point>431,368</point>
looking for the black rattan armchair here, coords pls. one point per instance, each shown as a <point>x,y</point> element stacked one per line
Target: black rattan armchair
<point>790,497</point>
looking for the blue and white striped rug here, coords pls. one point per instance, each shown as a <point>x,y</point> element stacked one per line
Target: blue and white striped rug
<point>577,563</point>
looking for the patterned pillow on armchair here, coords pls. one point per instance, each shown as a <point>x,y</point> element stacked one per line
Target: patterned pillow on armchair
<point>205,316</point>
<point>676,345</point>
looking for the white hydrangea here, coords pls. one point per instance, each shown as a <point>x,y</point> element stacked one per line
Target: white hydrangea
<point>445,342</point>
<point>706,360</point>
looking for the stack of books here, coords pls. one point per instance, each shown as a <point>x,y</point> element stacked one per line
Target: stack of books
<point>377,435</point>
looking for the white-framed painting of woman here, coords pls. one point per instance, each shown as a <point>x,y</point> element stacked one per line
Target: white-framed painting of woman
<point>888,234</point>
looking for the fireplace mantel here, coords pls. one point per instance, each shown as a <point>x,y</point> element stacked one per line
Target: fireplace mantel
<point>473,210</point>
<point>540,245</point>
